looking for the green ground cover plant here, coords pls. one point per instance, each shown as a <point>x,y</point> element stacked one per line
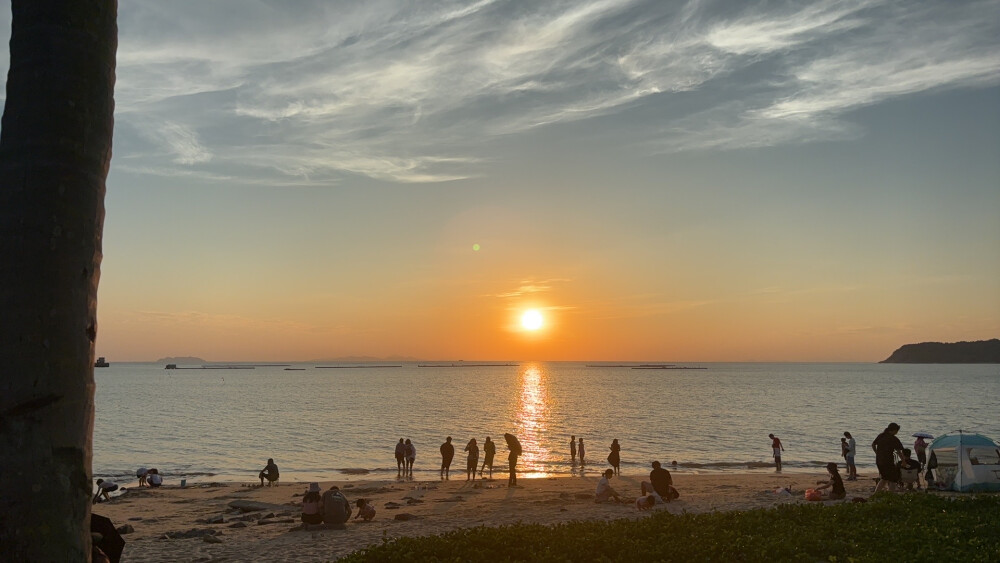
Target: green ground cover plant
<point>913,527</point>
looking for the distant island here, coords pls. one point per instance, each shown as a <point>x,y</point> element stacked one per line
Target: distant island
<point>181,360</point>
<point>978,352</point>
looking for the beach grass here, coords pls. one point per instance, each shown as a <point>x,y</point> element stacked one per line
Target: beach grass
<point>911,527</point>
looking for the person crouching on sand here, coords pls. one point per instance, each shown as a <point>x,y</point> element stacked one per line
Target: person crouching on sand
<point>366,510</point>
<point>604,492</point>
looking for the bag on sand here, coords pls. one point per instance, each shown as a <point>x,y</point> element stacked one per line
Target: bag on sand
<point>672,493</point>
<point>813,494</point>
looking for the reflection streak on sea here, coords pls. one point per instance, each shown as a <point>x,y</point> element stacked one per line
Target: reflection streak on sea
<point>532,421</point>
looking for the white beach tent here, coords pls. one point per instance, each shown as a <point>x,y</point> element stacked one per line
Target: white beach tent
<point>964,462</point>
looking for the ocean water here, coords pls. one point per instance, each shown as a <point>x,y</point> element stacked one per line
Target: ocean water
<point>342,424</point>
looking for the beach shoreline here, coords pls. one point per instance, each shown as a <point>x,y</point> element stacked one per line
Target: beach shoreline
<point>171,523</point>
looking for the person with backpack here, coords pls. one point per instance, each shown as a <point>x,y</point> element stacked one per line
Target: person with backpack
<point>336,507</point>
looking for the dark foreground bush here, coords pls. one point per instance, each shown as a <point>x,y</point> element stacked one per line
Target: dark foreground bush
<point>909,528</point>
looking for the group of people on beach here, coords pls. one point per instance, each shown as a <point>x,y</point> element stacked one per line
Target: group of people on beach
<point>331,508</point>
<point>896,467</point>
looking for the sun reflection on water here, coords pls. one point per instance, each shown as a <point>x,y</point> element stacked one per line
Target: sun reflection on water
<point>532,422</point>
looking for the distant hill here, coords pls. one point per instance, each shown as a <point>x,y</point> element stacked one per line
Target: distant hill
<point>181,360</point>
<point>978,352</point>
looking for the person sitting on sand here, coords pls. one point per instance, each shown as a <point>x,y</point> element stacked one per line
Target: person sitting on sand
<point>909,471</point>
<point>472,461</point>
<point>835,484</point>
<point>604,492</point>
<point>447,454</point>
<point>103,488</point>
<point>645,502</point>
<point>141,474</point>
<point>312,505</point>
<point>336,507</point>
<point>270,472</point>
<point>153,478</point>
<point>659,483</point>
<point>366,510</point>
<point>400,457</point>
<point>489,450</point>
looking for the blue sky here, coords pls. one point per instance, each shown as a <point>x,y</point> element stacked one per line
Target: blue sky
<point>670,180</point>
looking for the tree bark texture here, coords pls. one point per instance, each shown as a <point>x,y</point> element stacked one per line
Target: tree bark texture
<point>55,149</point>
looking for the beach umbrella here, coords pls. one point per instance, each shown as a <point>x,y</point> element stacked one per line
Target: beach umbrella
<point>922,435</point>
<point>112,543</point>
<point>512,443</point>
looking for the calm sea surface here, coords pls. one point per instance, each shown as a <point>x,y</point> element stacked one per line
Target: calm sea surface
<point>340,424</point>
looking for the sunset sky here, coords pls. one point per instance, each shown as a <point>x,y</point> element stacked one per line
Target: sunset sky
<point>700,181</point>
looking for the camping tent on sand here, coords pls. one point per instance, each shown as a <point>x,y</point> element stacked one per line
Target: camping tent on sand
<point>964,463</point>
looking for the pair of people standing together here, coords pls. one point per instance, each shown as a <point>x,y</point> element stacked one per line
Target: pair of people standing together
<point>406,454</point>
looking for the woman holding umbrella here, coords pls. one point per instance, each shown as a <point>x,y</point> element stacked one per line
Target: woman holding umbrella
<point>515,450</point>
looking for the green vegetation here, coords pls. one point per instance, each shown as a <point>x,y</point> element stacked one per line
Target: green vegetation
<point>913,527</point>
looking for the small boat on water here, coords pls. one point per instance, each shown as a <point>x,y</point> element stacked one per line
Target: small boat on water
<point>101,363</point>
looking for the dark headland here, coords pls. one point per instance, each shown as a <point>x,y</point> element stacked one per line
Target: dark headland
<point>978,352</point>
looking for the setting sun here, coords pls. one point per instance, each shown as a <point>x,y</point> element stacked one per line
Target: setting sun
<point>531,320</point>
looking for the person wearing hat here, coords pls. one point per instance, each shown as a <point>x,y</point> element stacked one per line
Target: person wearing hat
<point>312,505</point>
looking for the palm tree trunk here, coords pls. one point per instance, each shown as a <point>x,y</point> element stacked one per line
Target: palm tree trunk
<point>55,149</point>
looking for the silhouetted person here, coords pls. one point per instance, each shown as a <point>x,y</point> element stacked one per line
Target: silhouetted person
<point>572,449</point>
<point>489,450</point>
<point>581,451</point>
<point>885,446</point>
<point>270,472</point>
<point>835,483</point>
<point>472,461</point>
<point>336,507</point>
<point>515,450</point>
<point>852,450</point>
<point>776,449</point>
<point>614,458</point>
<point>659,483</point>
<point>411,456</point>
<point>400,457</point>
<point>447,454</point>
<point>103,488</point>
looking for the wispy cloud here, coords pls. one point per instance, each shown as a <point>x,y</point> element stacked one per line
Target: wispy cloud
<point>529,287</point>
<point>311,91</point>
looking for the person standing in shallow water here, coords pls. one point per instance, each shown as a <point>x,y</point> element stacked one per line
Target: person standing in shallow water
<point>614,458</point>
<point>489,451</point>
<point>411,456</point>
<point>572,449</point>
<point>776,449</point>
<point>400,457</point>
<point>581,451</point>
<point>447,454</point>
<point>472,461</point>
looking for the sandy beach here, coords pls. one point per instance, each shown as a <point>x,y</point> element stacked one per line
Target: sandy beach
<point>172,523</point>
